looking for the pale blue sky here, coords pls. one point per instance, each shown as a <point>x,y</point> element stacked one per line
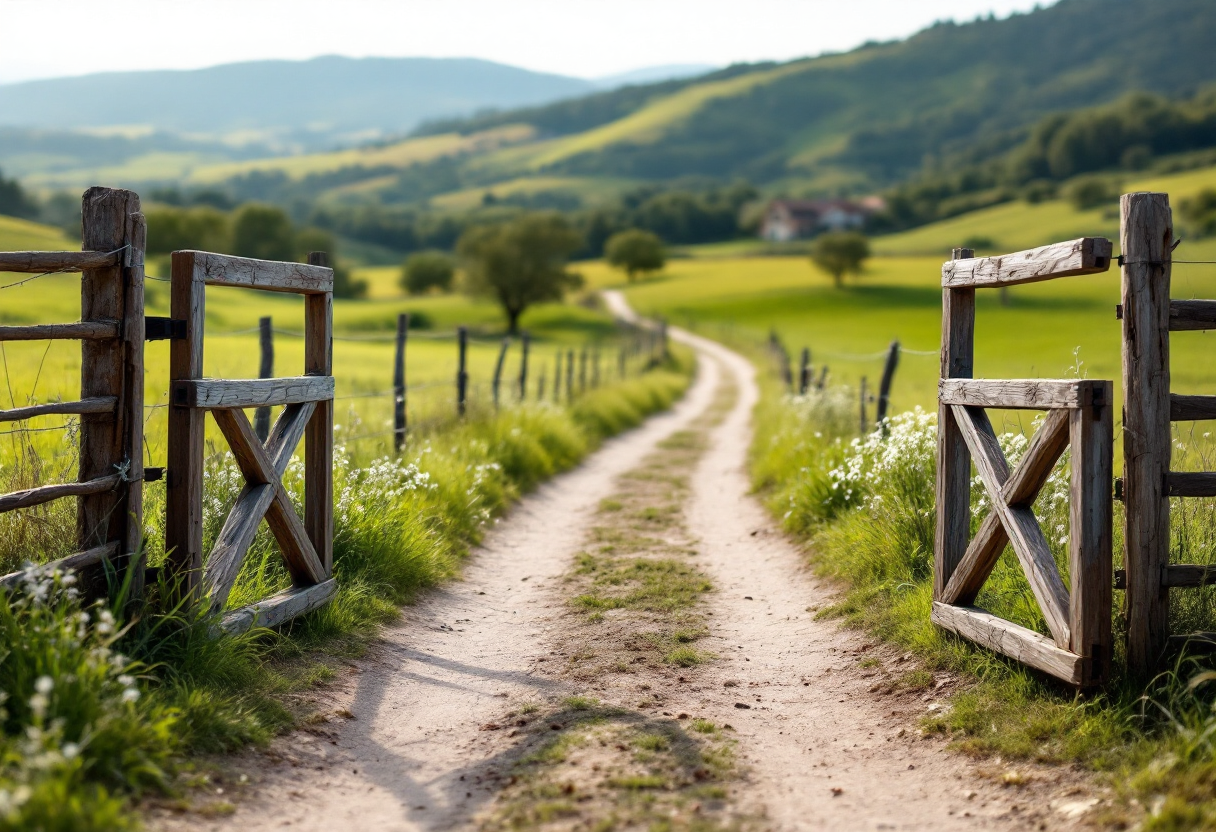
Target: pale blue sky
<point>587,38</point>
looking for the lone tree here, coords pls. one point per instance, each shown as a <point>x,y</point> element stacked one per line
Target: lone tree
<point>427,270</point>
<point>521,262</point>
<point>839,253</point>
<point>636,252</point>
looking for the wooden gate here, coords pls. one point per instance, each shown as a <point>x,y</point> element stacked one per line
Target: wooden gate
<point>109,487</point>
<point>1078,416</point>
<point>306,545</point>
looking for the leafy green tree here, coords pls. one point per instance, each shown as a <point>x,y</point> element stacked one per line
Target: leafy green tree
<point>263,232</point>
<point>839,253</point>
<point>636,252</point>
<point>426,270</point>
<point>521,262</point>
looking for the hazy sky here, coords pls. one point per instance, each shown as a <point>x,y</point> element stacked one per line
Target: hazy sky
<point>588,38</point>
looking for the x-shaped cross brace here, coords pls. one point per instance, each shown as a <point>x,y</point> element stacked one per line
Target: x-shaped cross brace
<point>1012,520</point>
<point>264,495</point>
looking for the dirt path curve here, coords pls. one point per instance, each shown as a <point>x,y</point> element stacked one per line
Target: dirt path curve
<point>819,750</point>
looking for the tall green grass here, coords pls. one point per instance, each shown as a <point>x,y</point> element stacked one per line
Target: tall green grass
<point>866,507</point>
<point>96,710</point>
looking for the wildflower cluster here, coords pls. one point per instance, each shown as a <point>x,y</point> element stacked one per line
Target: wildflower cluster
<point>70,707</point>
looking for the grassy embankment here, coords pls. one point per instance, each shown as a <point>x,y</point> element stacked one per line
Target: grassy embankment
<point>99,711</point>
<point>867,508</point>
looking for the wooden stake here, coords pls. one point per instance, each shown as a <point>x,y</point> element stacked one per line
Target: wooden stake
<point>570,375</point>
<point>502,357</point>
<point>525,344</point>
<point>804,372</point>
<point>1146,236</point>
<point>884,388</point>
<point>863,405</point>
<point>953,485</point>
<point>399,392</point>
<point>462,375</point>
<point>557,377</point>
<point>261,416</point>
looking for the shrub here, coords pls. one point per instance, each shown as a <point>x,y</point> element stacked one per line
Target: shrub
<point>427,270</point>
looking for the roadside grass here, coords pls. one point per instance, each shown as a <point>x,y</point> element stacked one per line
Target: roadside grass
<point>100,712</point>
<point>865,507</point>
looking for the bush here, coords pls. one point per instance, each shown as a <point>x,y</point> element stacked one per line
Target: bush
<point>1092,192</point>
<point>428,270</point>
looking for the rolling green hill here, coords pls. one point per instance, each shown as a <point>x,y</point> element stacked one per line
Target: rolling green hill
<point>852,122</point>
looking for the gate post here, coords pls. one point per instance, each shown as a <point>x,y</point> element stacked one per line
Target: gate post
<point>953,459</point>
<point>1146,235</point>
<point>111,220</point>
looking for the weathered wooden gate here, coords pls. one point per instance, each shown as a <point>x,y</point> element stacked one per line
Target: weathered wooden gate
<point>109,487</point>
<point>306,545</point>
<point>1078,416</point>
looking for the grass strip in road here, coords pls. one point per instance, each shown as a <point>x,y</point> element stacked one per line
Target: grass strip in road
<point>616,758</point>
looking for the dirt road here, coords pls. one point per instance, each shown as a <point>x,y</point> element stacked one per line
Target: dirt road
<point>819,743</point>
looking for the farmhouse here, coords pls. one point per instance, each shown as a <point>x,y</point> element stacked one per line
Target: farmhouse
<point>796,219</point>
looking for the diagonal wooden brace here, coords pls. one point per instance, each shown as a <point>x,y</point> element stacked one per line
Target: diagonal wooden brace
<point>1020,489</point>
<point>1019,521</point>
<point>263,496</point>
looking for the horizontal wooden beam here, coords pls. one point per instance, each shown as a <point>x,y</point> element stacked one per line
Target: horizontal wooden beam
<point>1189,575</point>
<point>1191,315</point>
<point>278,609</point>
<point>1191,408</point>
<point>1016,642</point>
<point>44,494</point>
<point>211,394</point>
<point>1087,255</point>
<point>1198,484</point>
<point>267,275</point>
<point>77,561</point>
<point>80,331</point>
<point>37,262</point>
<point>96,404</point>
<point>1024,394</point>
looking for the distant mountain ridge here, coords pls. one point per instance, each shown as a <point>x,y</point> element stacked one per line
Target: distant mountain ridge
<point>314,104</point>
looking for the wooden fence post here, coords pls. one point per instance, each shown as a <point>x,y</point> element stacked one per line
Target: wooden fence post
<point>953,484</point>
<point>884,388</point>
<point>823,378</point>
<point>525,344</point>
<point>582,371</point>
<point>664,347</point>
<point>1145,231</point>
<point>863,405</point>
<point>804,372</point>
<point>399,416</point>
<point>540,384</point>
<point>621,360</point>
<point>462,375</point>
<point>570,375</point>
<point>557,377</point>
<point>112,220</point>
<point>261,416</point>
<point>595,368</point>
<point>502,357</point>
<point>319,434</point>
